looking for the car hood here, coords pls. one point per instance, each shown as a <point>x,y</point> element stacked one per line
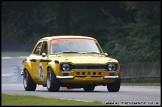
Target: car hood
<point>83,58</point>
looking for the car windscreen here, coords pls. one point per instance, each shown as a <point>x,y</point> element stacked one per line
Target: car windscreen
<point>74,46</point>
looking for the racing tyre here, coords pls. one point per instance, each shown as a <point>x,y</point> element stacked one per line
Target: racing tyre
<point>28,82</point>
<point>53,84</point>
<point>114,87</point>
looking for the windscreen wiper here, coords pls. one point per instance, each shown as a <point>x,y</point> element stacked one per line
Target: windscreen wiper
<point>69,52</point>
<point>89,52</point>
<point>93,52</point>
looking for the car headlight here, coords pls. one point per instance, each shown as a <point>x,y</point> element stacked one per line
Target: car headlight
<point>65,67</point>
<point>112,67</point>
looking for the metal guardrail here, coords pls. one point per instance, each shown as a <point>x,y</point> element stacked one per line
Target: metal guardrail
<point>140,79</point>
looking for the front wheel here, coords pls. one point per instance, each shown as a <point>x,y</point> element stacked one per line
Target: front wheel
<point>28,82</point>
<point>53,84</point>
<point>114,87</point>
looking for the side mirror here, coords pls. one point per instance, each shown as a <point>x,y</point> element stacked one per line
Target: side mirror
<point>106,54</point>
<point>43,54</point>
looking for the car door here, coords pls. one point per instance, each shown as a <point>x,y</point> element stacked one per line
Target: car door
<point>43,62</point>
<point>35,59</point>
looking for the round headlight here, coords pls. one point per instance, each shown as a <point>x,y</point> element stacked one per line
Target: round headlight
<point>65,67</point>
<point>112,67</point>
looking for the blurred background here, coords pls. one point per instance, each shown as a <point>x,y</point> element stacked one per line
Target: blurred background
<point>128,31</point>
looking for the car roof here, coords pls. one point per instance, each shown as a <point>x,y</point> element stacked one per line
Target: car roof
<point>65,36</point>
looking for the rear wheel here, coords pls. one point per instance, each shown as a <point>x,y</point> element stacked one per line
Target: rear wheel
<point>89,88</point>
<point>28,82</point>
<point>114,87</point>
<point>53,84</point>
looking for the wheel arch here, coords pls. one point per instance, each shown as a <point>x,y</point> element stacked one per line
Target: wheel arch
<point>27,66</point>
<point>54,68</point>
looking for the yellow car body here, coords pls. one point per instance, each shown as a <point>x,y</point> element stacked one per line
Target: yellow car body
<point>52,66</point>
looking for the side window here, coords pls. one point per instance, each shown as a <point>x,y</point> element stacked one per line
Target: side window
<point>44,48</point>
<point>38,48</point>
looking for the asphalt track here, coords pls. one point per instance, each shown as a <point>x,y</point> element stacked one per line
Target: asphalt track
<point>128,95</point>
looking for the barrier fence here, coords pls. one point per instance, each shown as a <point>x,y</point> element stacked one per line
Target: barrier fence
<point>141,72</point>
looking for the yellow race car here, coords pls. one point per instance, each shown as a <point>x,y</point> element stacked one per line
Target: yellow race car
<point>72,62</point>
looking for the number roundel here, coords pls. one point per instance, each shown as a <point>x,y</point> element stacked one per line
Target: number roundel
<point>41,71</point>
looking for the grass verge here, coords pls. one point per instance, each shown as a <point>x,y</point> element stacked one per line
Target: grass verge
<point>14,53</point>
<point>22,100</point>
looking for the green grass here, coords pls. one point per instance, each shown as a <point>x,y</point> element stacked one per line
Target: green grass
<point>21,100</point>
<point>140,84</point>
<point>14,53</point>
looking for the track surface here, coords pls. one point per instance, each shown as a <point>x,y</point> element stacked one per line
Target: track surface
<point>128,95</point>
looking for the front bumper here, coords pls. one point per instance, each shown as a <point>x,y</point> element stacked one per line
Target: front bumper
<point>111,77</point>
<point>87,79</point>
<point>65,77</point>
<point>22,73</point>
<point>72,77</point>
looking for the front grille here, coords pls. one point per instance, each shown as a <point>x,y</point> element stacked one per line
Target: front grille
<point>88,66</point>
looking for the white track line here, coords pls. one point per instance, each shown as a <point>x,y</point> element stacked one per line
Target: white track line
<point>14,57</point>
<point>10,74</point>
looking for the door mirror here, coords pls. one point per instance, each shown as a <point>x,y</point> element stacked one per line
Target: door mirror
<point>106,54</point>
<point>43,54</point>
